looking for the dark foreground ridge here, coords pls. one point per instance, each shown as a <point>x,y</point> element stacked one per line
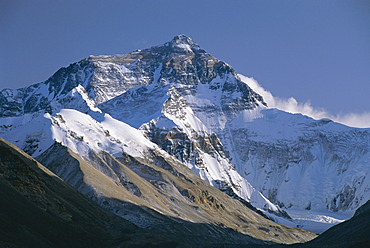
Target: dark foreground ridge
<point>354,232</point>
<point>38,209</point>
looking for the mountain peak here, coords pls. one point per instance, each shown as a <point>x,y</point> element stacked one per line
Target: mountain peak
<point>183,43</point>
<point>182,39</point>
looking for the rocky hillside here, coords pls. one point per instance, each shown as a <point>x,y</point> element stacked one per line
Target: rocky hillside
<point>38,209</point>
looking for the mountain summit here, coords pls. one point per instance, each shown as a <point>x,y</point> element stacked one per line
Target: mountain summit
<point>182,38</point>
<point>104,77</point>
<point>174,108</point>
<point>183,41</point>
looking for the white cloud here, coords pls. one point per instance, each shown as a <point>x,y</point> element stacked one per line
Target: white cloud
<point>291,105</point>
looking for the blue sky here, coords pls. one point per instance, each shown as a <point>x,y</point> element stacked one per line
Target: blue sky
<point>316,51</point>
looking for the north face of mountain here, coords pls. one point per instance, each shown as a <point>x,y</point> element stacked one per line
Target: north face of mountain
<point>176,100</point>
<point>165,84</point>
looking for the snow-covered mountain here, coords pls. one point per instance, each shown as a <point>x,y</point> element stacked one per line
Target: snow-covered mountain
<point>180,103</point>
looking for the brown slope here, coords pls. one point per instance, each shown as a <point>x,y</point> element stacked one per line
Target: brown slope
<point>38,209</point>
<point>160,193</point>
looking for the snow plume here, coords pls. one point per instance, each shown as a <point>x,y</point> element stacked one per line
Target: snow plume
<point>354,120</point>
<point>291,105</point>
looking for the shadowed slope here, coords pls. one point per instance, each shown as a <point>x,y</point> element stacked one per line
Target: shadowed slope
<point>38,209</point>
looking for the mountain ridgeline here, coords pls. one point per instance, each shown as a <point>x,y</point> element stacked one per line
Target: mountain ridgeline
<point>179,62</point>
<point>147,135</point>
